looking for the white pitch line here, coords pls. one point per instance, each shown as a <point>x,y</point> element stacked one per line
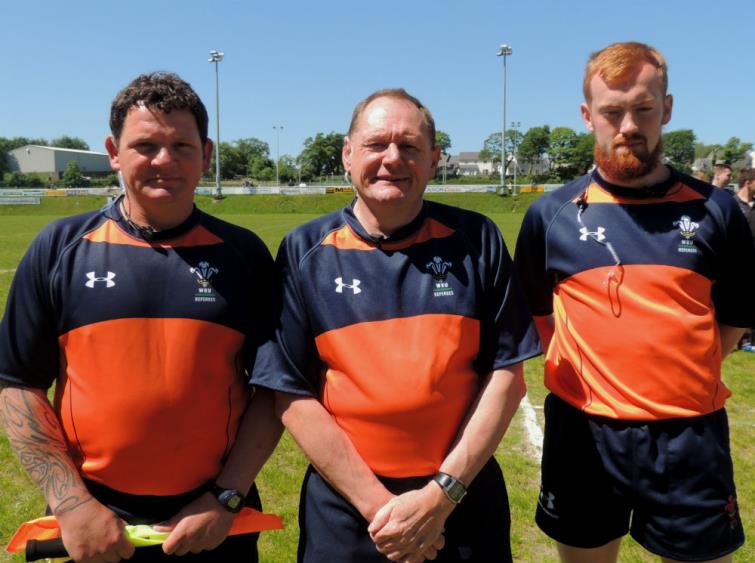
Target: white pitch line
<point>7,271</point>
<point>532,428</point>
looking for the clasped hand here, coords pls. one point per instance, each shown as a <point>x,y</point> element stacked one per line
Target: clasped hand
<point>409,528</point>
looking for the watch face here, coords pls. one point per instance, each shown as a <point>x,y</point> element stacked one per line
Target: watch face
<point>232,500</point>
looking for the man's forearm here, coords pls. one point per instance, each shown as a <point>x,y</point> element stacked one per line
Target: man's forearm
<point>486,423</point>
<point>332,453</point>
<point>258,434</point>
<point>37,439</point>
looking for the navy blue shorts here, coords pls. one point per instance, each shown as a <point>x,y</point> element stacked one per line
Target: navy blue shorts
<point>333,531</point>
<point>668,482</point>
<point>147,509</point>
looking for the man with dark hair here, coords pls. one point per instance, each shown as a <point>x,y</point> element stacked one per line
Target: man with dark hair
<point>746,196</point>
<point>633,273</point>
<point>399,368</point>
<point>148,315</point>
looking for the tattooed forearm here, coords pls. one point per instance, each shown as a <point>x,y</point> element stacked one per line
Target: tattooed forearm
<point>35,435</point>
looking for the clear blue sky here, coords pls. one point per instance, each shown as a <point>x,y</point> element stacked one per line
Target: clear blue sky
<point>304,64</point>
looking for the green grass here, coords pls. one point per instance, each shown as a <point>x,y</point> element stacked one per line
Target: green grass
<point>271,217</point>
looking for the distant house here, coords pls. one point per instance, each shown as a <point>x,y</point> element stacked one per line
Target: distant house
<point>464,164</point>
<point>53,161</point>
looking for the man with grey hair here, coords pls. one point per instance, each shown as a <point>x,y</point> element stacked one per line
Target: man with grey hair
<point>399,366</point>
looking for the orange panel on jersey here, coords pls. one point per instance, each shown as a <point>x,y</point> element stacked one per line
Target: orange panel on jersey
<point>403,406</point>
<point>162,419</point>
<point>678,193</point>
<point>111,233</point>
<point>345,239</point>
<point>626,367</point>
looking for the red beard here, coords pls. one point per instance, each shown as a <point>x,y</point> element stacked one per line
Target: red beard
<point>629,164</point>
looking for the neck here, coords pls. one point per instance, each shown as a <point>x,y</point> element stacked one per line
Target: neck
<point>159,219</point>
<point>744,195</point>
<point>382,222</point>
<point>656,176</point>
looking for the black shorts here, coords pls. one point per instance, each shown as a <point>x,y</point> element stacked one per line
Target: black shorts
<point>147,509</point>
<point>333,531</point>
<point>673,479</point>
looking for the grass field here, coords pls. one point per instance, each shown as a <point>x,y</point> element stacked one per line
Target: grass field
<point>271,217</point>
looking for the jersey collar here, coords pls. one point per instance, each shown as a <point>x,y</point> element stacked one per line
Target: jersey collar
<point>113,211</point>
<point>645,192</point>
<point>404,232</point>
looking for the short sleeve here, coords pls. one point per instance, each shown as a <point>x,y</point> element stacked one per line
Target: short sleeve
<point>290,364</point>
<point>732,293</point>
<point>508,334</point>
<point>530,264</point>
<point>29,352</point>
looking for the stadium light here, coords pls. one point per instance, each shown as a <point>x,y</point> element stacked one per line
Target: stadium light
<point>515,125</point>
<point>504,51</point>
<point>215,57</point>
<point>278,129</point>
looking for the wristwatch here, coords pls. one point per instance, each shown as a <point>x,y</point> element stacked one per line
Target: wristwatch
<point>231,499</point>
<point>454,489</point>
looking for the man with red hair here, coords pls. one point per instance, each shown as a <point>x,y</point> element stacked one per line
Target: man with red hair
<point>633,273</point>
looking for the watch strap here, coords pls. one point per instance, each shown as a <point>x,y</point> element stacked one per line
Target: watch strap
<point>454,489</point>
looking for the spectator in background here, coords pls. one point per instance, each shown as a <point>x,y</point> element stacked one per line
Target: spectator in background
<point>701,175</point>
<point>745,198</point>
<point>721,174</point>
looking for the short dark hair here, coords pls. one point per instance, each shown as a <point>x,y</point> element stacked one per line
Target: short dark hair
<point>746,175</point>
<point>399,94</point>
<point>164,91</point>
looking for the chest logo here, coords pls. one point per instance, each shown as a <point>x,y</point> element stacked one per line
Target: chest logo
<point>204,273</point>
<point>93,278</point>
<point>598,234</point>
<point>353,286</point>
<point>688,229</point>
<point>439,270</point>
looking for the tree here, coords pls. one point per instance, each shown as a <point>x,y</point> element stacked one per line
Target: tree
<point>260,168</point>
<point>321,155</point>
<point>562,150</point>
<point>679,148</point>
<point>66,142</point>
<point>583,152</point>
<point>442,140</point>
<point>287,169</point>
<point>534,145</point>
<point>72,176</point>
<point>492,146</point>
<point>733,150</point>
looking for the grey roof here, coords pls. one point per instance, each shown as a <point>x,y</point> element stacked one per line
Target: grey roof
<point>61,149</point>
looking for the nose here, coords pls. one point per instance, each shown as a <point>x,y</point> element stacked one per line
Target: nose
<point>628,124</point>
<point>392,153</point>
<point>164,156</point>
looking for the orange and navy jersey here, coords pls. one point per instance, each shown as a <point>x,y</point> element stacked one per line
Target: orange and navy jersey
<point>637,281</point>
<point>393,335</point>
<point>149,341</point>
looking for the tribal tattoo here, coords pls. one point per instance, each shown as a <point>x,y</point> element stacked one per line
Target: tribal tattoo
<point>35,435</point>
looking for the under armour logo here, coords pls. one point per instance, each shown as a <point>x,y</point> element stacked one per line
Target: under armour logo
<point>548,498</point>
<point>93,278</point>
<point>353,286</point>
<point>597,235</point>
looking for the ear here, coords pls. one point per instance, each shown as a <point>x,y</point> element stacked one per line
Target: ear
<point>346,154</point>
<point>668,104</point>
<point>207,155</point>
<point>584,109</point>
<point>112,152</point>
<point>436,157</point>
